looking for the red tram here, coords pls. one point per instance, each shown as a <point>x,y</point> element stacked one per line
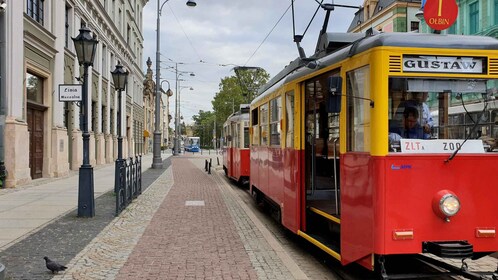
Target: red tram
<point>236,145</point>
<point>322,153</point>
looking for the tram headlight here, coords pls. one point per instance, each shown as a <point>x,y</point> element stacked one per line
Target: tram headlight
<point>449,205</point>
<point>446,204</point>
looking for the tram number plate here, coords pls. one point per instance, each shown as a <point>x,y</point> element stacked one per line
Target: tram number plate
<point>440,146</point>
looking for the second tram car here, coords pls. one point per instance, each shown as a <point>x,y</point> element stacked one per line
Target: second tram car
<point>236,145</point>
<point>327,154</point>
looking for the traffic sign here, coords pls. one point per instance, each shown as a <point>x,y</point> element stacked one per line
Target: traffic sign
<point>440,14</point>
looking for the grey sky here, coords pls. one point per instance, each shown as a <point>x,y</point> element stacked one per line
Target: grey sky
<point>228,32</point>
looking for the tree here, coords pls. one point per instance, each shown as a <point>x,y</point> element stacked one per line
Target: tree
<point>234,90</point>
<point>203,127</point>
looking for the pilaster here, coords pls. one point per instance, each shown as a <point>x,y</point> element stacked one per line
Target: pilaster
<point>101,159</point>
<point>16,141</point>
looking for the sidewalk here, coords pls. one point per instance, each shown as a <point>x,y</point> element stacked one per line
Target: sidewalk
<point>40,219</point>
<point>29,207</point>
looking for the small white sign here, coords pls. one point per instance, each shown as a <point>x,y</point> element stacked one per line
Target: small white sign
<point>441,146</point>
<point>70,93</point>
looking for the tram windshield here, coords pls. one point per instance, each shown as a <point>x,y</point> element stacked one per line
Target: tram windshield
<point>432,110</point>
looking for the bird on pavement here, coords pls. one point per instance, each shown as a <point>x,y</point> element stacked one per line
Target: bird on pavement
<point>53,266</point>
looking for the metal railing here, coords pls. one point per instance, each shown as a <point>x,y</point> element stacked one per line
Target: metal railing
<point>130,182</point>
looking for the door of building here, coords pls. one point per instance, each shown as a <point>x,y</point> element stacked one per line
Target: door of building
<point>35,129</point>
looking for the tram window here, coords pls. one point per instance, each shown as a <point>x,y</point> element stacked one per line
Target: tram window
<point>494,122</point>
<point>358,110</point>
<point>236,135</point>
<point>275,116</point>
<point>460,108</point>
<point>289,113</point>
<point>246,137</point>
<point>255,126</point>
<point>263,127</point>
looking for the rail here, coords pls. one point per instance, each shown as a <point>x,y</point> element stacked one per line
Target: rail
<point>130,182</point>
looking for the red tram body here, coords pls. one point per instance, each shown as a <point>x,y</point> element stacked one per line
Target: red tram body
<point>236,145</point>
<point>322,156</point>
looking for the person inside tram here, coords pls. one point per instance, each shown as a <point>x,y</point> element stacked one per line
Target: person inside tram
<point>425,118</point>
<point>410,126</point>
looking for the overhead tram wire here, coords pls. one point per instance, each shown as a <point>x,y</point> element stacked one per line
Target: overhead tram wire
<point>184,33</point>
<point>269,33</point>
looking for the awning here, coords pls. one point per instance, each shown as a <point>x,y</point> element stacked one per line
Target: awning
<point>146,133</point>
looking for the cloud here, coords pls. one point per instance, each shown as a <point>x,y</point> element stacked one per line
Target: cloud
<point>228,32</point>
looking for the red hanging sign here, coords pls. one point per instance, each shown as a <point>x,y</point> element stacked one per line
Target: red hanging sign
<point>440,14</point>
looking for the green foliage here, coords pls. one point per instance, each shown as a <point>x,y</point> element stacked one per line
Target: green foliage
<point>240,88</point>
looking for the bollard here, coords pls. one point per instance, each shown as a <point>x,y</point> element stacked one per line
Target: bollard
<point>206,165</point>
<point>218,160</point>
<point>209,170</point>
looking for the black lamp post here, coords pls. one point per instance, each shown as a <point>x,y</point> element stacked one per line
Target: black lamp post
<point>120,77</point>
<point>85,46</point>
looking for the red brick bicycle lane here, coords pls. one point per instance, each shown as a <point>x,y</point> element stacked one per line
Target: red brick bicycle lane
<point>190,242</point>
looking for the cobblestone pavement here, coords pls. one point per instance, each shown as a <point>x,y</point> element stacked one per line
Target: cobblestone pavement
<point>64,238</point>
<point>193,236</point>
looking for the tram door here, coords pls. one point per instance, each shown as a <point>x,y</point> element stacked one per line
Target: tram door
<point>321,149</point>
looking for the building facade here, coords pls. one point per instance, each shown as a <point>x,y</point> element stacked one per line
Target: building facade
<point>475,17</point>
<point>387,16</point>
<point>42,136</point>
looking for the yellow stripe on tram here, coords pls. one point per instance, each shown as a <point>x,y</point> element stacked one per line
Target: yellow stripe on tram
<point>317,243</point>
<point>326,215</point>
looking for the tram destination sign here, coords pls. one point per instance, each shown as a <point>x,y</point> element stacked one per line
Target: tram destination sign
<point>441,146</point>
<point>443,64</point>
<point>69,93</point>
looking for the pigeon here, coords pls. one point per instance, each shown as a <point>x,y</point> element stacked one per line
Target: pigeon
<point>53,266</point>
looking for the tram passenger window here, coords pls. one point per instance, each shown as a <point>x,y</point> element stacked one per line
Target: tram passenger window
<point>263,127</point>
<point>461,108</point>
<point>255,126</point>
<point>246,137</point>
<point>358,110</point>
<point>289,113</point>
<point>275,116</point>
<point>235,131</point>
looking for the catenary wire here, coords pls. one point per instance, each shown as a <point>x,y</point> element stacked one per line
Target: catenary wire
<point>247,61</point>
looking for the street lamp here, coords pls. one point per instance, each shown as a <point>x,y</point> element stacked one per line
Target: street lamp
<point>120,77</point>
<point>157,162</point>
<point>177,119</point>
<point>85,46</point>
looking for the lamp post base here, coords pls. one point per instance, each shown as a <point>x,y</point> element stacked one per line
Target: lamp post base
<point>157,161</point>
<point>86,200</point>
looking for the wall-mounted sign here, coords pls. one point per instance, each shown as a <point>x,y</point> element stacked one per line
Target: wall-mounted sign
<point>440,14</point>
<point>70,93</point>
<point>443,64</point>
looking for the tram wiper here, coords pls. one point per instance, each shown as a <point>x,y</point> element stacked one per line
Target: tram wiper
<point>471,131</point>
